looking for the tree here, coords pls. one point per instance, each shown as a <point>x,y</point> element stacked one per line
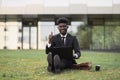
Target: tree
<point>84,36</point>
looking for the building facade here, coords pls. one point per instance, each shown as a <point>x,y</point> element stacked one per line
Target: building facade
<point>26,25</point>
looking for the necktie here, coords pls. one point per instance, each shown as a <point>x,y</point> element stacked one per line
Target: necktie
<point>63,40</point>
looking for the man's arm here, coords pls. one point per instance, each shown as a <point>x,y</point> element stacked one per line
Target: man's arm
<point>76,47</point>
<point>47,50</point>
<point>49,43</point>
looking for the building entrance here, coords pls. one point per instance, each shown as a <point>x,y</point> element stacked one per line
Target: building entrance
<point>29,34</point>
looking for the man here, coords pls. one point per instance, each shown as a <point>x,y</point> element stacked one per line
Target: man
<point>55,63</point>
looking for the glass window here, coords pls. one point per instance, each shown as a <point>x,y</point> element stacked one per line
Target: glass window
<point>74,25</point>
<point>2,35</point>
<point>97,37</point>
<point>109,40</point>
<point>116,38</point>
<point>26,38</point>
<point>33,37</point>
<point>109,21</point>
<point>116,21</point>
<point>45,28</point>
<point>12,35</point>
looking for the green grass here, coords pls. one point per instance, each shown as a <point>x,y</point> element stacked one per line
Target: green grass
<point>32,64</point>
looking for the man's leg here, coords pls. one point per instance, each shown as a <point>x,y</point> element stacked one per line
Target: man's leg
<point>49,59</point>
<point>58,64</point>
<point>67,63</point>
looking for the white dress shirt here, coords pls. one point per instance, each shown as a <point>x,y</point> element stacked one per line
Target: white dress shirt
<point>61,36</point>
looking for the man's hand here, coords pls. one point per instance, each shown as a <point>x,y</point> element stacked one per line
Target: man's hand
<point>50,37</point>
<point>75,56</point>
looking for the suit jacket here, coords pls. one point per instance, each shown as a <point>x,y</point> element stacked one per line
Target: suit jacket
<point>71,41</point>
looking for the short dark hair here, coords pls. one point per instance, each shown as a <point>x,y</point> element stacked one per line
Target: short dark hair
<point>62,20</point>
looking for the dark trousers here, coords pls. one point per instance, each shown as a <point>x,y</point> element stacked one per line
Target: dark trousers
<point>64,63</point>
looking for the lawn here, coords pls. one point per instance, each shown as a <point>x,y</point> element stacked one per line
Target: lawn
<point>32,64</point>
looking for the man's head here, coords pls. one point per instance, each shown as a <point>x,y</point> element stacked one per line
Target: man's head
<point>62,25</point>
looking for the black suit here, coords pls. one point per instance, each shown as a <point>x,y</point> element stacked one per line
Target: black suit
<point>70,41</point>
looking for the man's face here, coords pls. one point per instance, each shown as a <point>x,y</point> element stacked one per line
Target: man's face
<point>62,27</point>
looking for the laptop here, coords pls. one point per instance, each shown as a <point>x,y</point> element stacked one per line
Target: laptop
<point>63,52</point>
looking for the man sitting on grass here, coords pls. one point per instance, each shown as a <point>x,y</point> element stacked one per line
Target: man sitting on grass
<point>63,39</point>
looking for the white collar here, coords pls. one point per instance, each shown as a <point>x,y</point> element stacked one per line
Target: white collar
<point>63,35</point>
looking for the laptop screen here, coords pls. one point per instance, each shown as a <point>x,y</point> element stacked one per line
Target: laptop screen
<point>63,52</point>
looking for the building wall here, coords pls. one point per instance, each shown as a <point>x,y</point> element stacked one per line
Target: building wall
<point>69,7</point>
